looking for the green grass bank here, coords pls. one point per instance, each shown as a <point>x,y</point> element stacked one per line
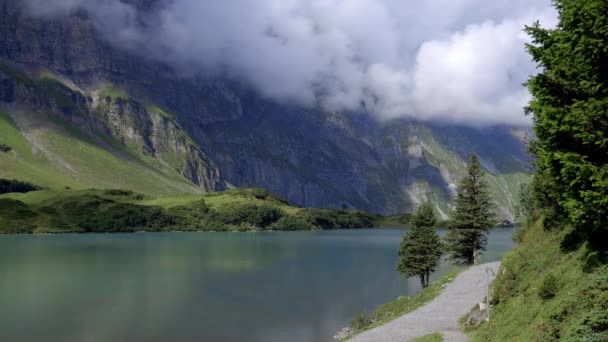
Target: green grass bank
<point>545,294</point>
<point>103,211</point>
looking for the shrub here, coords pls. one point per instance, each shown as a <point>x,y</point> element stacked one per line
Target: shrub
<point>360,321</point>
<point>5,148</point>
<point>14,209</point>
<point>124,193</point>
<point>335,219</point>
<point>258,216</point>
<point>15,216</point>
<point>189,217</point>
<point>320,218</point>
<point>126,217</point>
<point>292,223</point>
<point>548,287</point>
<point>14,185</point>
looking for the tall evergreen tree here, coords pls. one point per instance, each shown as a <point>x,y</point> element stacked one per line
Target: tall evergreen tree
<point>472,217</point>
<point>570,108</point>
<point>421,247</point>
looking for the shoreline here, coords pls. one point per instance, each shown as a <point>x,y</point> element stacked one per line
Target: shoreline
<point>439,315</point>
<point>190,231</point>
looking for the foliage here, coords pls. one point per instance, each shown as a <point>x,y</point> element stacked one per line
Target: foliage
<point>292,223</point>
<point>124,193</point>
<point>548,287</point>
<point>335,219</point>
<point>570,108</point>
<point>5,148</point>
<point>126,217</point>
<point>472,217</point>
<point>402,305</point>
<point>421,246</point>
<point>111,93</point>
<point>579,306</point>
<point>117,210</point>
<point>398,220</point>
<point>15,216</point>
<point>360,321</point>
<point>7,186</point>
<point>258,216</point>
<point>436,337</point>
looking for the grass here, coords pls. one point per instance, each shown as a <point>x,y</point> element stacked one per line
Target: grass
<point>436,337</point>
<point>392,310</point>
<point>72,159</point>
<point>218,200</point>
<point>576,309</point>
<point>112,92</point>
<point>115,210</point>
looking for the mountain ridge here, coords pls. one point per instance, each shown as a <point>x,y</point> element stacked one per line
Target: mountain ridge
<point>310,156</point>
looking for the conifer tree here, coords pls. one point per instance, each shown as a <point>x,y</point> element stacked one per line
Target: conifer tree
<point>570,108</point>
<point>472,217</point>
<point>421,247</point>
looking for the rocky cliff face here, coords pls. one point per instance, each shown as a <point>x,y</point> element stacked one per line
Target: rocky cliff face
<point>312,157</point>
<point>140,130</point>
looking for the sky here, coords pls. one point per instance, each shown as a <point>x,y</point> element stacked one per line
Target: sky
<point>455,61</point>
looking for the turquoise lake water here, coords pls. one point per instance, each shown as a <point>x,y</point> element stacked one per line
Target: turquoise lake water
<point>266,286</point>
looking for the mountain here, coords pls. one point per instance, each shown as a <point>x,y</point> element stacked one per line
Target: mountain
<point>80,112</point>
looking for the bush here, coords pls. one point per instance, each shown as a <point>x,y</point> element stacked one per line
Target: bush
<point>124,193</point>
<point>14,185</point>
<point>126,217</point>
<point>292,223</point>
<point>335,219</point>
<point>319,218</point>
<point>5,148</point>
<point>15,217</point>
<point>548,287</point>
<point>257,216</point>
<point>14,209</point>
<point>360,321</point>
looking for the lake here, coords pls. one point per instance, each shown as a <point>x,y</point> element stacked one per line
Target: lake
<point>262,286</point>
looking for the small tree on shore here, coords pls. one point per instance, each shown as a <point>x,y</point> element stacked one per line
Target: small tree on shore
<point>472,218</point>
<point>421,247</point>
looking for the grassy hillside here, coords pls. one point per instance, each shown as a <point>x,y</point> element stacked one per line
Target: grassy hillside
<point>81,211</point>
<point>544,294</point>
<point>54,154</point>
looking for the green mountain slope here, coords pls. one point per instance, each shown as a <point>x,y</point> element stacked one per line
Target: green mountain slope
<point>61,136</point>
<point>544,294</point>
<point>56,155</point>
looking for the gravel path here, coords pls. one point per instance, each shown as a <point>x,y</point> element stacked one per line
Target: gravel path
<point>440,315</point>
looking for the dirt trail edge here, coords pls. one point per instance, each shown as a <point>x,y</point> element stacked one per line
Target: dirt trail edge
<point>439,315</point>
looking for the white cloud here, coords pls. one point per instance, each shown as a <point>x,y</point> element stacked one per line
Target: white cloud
<point>449,60</point>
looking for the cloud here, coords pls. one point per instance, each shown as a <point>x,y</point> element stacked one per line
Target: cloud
<point>460,61</point>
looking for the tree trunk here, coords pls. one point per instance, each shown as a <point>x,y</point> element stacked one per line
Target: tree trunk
<point>422,281</point>
<point>428,275</point>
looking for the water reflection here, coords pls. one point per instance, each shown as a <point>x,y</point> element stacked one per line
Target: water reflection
<point>299,286</point>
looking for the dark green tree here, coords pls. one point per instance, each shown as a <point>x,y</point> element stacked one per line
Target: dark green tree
<point>570,108</point>
<point>472,217</point>
<point>421,247</point>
